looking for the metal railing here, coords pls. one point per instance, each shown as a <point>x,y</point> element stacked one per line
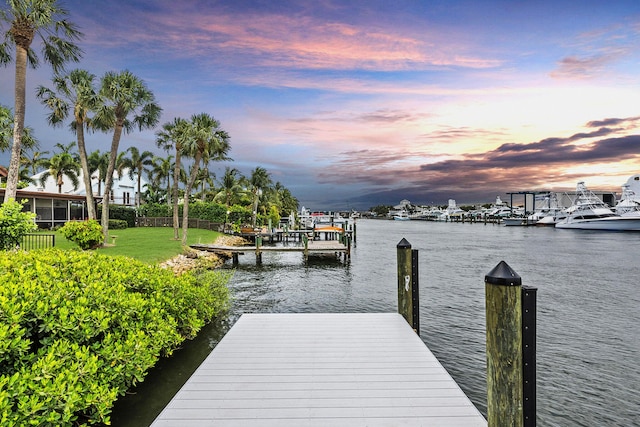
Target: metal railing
<point>37,241</point>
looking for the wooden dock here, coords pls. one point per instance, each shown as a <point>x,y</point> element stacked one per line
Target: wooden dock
<point>286,370</point>
<point>312,247</point>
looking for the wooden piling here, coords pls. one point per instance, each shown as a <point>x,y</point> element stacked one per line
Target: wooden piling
<point>407,280</point>
<point>504,347</point>
<point>258,251</point>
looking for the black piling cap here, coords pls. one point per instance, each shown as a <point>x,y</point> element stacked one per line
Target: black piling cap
<point>403,244</point>
<point>503,275</point>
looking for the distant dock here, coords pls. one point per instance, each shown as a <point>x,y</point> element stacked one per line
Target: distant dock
<point>298,370</point>
<point>326,241</point>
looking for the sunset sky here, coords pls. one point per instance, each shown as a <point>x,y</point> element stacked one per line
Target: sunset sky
<point>352,104</point>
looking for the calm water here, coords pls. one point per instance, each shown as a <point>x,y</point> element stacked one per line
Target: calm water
<point>588,339</point>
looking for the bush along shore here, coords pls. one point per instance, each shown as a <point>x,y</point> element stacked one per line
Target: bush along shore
<point>77,329</point>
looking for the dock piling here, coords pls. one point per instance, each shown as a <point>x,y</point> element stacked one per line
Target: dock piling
<point>408,301</point>
<point>510,330</point>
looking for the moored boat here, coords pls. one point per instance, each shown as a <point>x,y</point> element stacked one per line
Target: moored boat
<point>589,212</point>
<point>629,203</point>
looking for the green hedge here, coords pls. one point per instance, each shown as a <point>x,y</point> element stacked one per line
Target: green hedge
<point>77,329</point>
<point>118,224</point>
<point>214,212</point>
<point>123,213</point>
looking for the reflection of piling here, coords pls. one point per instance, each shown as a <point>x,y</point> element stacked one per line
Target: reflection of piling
<point>408,298</point>
<point>510,335</point>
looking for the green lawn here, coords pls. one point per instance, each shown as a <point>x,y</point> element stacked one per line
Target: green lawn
<point>147,244</point>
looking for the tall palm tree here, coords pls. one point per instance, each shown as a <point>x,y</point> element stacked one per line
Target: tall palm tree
<point>258,181</point>
<point>204,139</point>
<point>172,137</point>
<point>137,164</point>
<point>74,92</point>
<point>26,20</point>
<point>59,166</point>
<point>128,104</point>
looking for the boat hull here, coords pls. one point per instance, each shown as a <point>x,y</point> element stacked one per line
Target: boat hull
<point>610,224</point>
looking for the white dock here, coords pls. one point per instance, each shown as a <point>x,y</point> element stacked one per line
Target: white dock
<point>332,370</point>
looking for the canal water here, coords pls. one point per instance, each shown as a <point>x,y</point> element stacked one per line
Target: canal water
<point>588,328</point>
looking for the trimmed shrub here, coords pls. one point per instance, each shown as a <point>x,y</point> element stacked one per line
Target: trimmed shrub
<point>124,213</point>
<point>117,224</point>
<point>151,210</point>
<point>86,234</point>
<point>77,329</point>
<point>14,224</point>
<point>210,211</point>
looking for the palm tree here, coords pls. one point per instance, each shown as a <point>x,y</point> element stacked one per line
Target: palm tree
<point>6,122</point>
<point>28,19</point>
<point>6,134</point>
<point>74,92</point>
<point>206,140</point>
<point>204,178</point>
<point>136,164</point>
<point>124,95</point>
<point>230,188</point>
<point>98,162</point>
<point>34,162</point>
<point>172,136</point>
<point>258,181</point>
<point>162,168</point>
<point>59,166</point>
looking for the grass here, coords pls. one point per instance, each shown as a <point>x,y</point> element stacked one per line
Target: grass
<point>148,244</point>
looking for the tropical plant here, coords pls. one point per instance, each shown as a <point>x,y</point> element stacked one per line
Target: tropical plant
<point>72,342</point>
<point>127,104</point>
<point>258,181</point>
<point>74,93</point>
<point>86,234</point>
<point>27,19</point>
<point>172,137</point>
<point>136,165</point>
<point>204,139</point>
<point>6,124</point>
<point>59,166</point>
<point>161,171</point>
<point>32,163</point>
<point>230,188</point>
<point>14,223</point>
<point>205,178</point>
<point>99,162</point>
<point>6,134</point>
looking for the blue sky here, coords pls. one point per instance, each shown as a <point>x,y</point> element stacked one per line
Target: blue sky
<point>359,103</point>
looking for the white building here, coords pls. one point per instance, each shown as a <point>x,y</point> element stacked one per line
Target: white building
<point>123,191</point>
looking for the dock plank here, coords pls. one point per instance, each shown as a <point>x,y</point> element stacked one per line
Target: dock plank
<point>357,369</point>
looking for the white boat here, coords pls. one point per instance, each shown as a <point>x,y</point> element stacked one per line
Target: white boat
<point>588,212</point>
<point>629,203</point>
<point>401,216</point>
<point>550,213</point>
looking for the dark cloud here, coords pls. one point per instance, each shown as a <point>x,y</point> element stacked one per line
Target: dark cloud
<point>511,167</point>
<point>613,122</point>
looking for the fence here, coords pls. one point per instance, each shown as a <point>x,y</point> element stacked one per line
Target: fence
<point>37,241</point>
<point>168,222</point>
